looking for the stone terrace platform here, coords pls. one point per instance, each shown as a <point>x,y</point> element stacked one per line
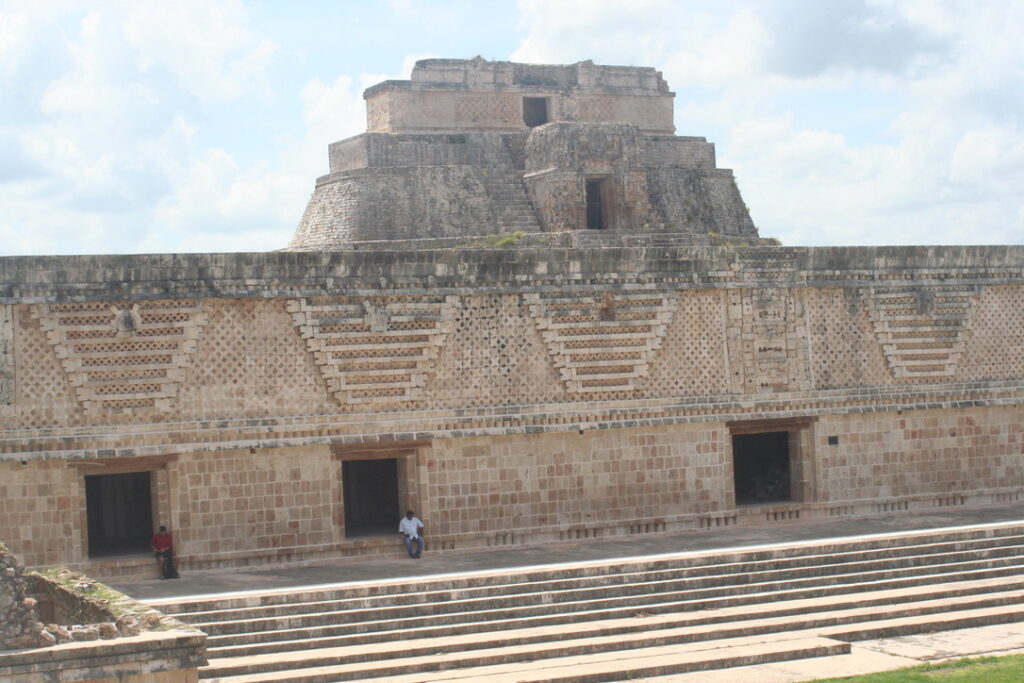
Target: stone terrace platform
<point>992,628</point>
<point>596,549</point>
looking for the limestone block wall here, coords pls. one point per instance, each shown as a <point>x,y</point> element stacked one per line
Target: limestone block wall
<point>406,202</point>
<point>40,511</point>
<point>941,454</point>
<point>387,150</point>
<point>459,95</point>
<point>695,200</point>
<point>677,150</point>
<point>242,504</point>
<point>576,485</point>
<point>650,114</point>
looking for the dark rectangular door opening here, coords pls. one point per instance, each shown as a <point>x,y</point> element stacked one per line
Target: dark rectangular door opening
<point>761,467</point>
<point>535,111</point>
<point>595,208</point>
<point>371,496</point>
<point>119,512</point>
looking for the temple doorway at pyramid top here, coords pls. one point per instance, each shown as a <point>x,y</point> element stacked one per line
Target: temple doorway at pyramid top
<point>451,95</point>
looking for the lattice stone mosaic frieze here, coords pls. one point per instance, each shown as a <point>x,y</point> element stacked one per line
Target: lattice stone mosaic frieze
<point>124,355</point>
<point>6,361</point>
<point>602,341</point>
<point>483,109</point>
<point>922,329</point>
<point>375,349</point>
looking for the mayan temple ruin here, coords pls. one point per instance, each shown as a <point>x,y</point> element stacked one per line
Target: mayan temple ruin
<point>523,306</point>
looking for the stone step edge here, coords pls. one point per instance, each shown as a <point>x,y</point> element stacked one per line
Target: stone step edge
<point>1007,614</point>
<point>684,659</point>
<point>740,554</point>
<point>891,628</point>
<point>600,580</point>
<point>788,608</point>
<point>534,645</point>
<point>648,665</point>
<point>725,602</point>
<point>698,594</point>
<point>674,581</point>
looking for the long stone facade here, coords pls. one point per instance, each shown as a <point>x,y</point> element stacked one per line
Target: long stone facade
<point>520,395</point>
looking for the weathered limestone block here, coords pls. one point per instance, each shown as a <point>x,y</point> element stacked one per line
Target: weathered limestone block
<point>19,625</point>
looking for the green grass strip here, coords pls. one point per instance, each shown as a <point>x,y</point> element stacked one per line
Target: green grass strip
<point>969,670</point>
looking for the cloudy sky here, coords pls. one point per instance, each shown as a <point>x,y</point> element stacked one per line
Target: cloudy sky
<point>201,125</point>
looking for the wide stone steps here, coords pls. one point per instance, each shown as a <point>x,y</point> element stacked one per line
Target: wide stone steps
<point>398,658</point>
<point>368,619</point>
<point>618,619</point>
<point>543,579</point>
<point>736,579</point>
<point>977,594</point>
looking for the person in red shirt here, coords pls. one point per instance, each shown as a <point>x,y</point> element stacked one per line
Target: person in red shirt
<point>163,547</point>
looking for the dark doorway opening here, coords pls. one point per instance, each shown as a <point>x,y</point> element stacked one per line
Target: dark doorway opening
<point>761,467</point>
<point>595,206</point>
<point>371,496</point>
<point>119,512</point>
<point>535,111</point>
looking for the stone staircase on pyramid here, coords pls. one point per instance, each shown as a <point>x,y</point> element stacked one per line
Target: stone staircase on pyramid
<point>618,620</point>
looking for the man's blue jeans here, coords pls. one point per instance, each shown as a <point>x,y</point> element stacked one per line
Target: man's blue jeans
<point>409,542</point>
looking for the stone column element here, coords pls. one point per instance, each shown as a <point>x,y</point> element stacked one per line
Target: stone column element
<point>6,361</point>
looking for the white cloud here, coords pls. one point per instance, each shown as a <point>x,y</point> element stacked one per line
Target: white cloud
<point>813,37</point>
<point>203,44</point>
<point>14,36</point>
<point>108,156</point>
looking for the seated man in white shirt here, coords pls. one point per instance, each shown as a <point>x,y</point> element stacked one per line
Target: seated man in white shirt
<point>411,529</point>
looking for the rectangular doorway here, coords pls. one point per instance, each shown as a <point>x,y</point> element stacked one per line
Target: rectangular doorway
<point>370,489</point>
<point>535,111</point>
<point>761,468</point>
<point>119,513</point>
<point>595,204</point>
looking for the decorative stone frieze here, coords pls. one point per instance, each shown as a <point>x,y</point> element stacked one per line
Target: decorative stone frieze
<point>767,339</point>
<point>602,341</point>
<point>6,361</point>
<point>377,349</point>
<point>124,356</point>
<point>923,330</point>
